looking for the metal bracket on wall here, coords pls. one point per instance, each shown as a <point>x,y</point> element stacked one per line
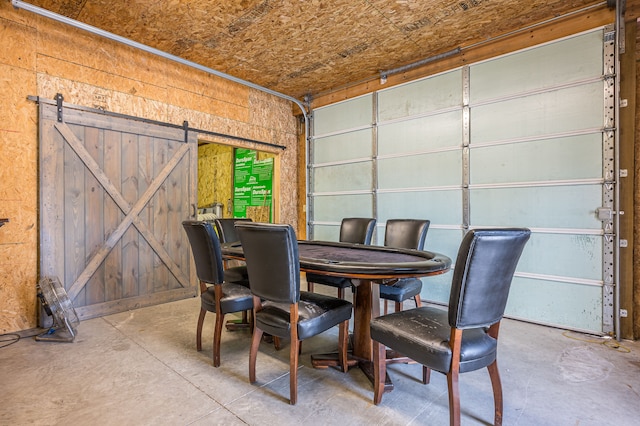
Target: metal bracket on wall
<point>59,99</point>
<point>466,141</point>
<point>608,211</point>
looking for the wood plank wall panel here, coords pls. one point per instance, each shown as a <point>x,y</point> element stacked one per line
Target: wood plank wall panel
<point>44,58</point>
<point>176,213</point>
<point>94,199</point>
<point>145,252</point>
<point>74,213</point>
<point>112,215</point>
<point>129,190</point>
<point>160,273</point>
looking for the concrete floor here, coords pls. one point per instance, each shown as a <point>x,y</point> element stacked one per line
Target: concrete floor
<point>141,368</point>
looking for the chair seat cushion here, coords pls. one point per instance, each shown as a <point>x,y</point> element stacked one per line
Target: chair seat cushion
<point>423,335</point>
<point>401,290</point>
<point>237,275</point>
<point>316,313</point>
<point>338,282</point>
<point>235,298</point>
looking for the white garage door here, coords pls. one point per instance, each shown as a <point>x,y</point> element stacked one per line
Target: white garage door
<point>526,139</point>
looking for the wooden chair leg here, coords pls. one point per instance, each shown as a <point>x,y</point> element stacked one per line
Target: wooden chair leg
<point>309,287</point>
<point>379,371</point>
<point>340,293</point>
<point>343,344</point>
<point>217,337</point>
<point>253,353</point>
<point>203,312</point>
<point>418,300</point>
<point>398,306</point>
<point>454,398</point>
<point>293,372</point>
<point>426,375</point>
<point>386,311</point>
<point>496,384</point>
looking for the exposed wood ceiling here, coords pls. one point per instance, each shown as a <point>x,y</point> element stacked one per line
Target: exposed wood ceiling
<point>300,47</point>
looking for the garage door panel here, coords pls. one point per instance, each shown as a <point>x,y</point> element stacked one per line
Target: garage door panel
<point>333,208</point>
<point>575,306</point>
<point>564,255</point>
<point>558,111</point>
<point>416,171</point>
<point>432,132</point>
<point>565,207</point>
<point>437,288</point>
<point>344,115</point>
<point>326,232</point>
<point>421,97</point>
<point>343,147</point>
<point>444,240</point>
<point>343,177</point>
<point>440,207</point>
<point>574,59</point>
<point>568,158</point>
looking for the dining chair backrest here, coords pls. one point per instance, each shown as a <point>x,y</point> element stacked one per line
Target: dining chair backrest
<point>271,253</point>
<point>484,269</point>
<point>226,228</point>
<point>357,230</point>
<point>406,233</point>
<point>205,246</point>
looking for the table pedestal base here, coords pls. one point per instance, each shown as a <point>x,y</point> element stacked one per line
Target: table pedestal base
<point>239,324</point>
<point>234,325</point>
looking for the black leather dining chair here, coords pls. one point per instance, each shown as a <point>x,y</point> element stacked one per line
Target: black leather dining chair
<point>235,271</point>
<point>465,338</point>
<point>409,234</point>
<point>216,295</point>
<point>226,228</point>
<point>357,230</point>
<point>280,308</point>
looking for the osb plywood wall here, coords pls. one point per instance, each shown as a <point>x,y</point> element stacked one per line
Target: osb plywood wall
<point>41,57</point>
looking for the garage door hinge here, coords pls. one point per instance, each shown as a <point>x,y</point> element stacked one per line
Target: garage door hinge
<point>606,213</point>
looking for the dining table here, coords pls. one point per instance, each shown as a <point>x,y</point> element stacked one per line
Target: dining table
<point>368,267</point>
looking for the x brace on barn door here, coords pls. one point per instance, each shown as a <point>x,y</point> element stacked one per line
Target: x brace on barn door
<point>131,212</point>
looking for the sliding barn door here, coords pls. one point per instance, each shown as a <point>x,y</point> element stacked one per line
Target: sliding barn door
<point>114,193</point>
